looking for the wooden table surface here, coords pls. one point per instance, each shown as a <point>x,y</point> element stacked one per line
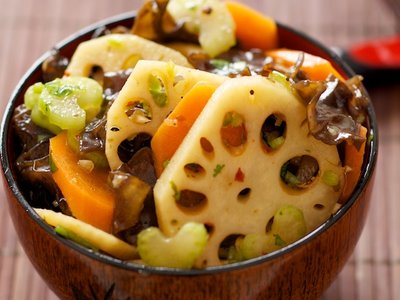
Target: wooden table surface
<point>30,27</point>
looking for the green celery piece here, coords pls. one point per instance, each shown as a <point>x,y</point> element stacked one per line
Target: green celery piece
<point>284,81</point>
<point>177,193</point>
<point>71,101</point>
<point>288,226</point>
<point>331,178</point>
<point>276,142</point>
<point>157,90</point>
<point>59,89</point>
<point>234,254</point>
<point>218,169</point>
<point>64,113</point>
<point>32,95</point>
<point>225,67</point>
<point>89,94</point>
<point>43,121</point>
<point>281,78</point>
<point>220,64</point>
<point>279,241</point>
<point>291,179</point>
<point>254,245</point>
<point>233,119</point>
<point>73,141</point>
<point>370,138</point>
<point>179,251</point>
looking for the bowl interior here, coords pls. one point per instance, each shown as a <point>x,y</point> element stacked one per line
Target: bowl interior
<point>288,37</point>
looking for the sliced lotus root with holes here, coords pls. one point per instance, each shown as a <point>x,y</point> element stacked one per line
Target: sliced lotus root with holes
<point>149,95</point>
<point>234,185</point>
<point>115,52</point>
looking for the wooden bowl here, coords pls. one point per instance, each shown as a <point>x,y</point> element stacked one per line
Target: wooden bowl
<point>302,270</point>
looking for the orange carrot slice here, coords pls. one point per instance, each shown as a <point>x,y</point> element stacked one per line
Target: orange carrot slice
<point>173,130</point>
<point>253,30</point>
<point>315,67</point>
<point>353,159</point>
<point>87,193</point>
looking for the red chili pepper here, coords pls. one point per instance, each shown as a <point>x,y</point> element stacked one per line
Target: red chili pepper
<point>378,61</point>
<point>239,176</point>
<point>379,53</point>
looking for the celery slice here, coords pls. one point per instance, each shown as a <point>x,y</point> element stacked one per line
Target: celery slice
<point>64,113</point>
<point>288,226</point>
<point>32,95</point>
<point>43,121</point>
<point>64,103</point>
<point>157,90</point>
<point>179,251</point>
<point>331,178</point>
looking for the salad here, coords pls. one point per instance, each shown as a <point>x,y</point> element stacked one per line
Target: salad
<point>191,139</point>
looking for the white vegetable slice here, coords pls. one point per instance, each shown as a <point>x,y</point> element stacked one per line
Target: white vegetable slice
<point>94,236</point>
<point>116,52</point>
<point>244,204</point>
<point>124,121</point>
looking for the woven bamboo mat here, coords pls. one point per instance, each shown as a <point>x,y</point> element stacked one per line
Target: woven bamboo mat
<point>30,27</point>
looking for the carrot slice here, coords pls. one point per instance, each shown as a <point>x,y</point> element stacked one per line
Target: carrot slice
<point>317,68</point>
<point>173,130</point>
<point>253,30</point>
<point>88,195</point>
<point>353,159</point>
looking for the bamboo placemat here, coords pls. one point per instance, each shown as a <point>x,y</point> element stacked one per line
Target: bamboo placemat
<point>30,27</point>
